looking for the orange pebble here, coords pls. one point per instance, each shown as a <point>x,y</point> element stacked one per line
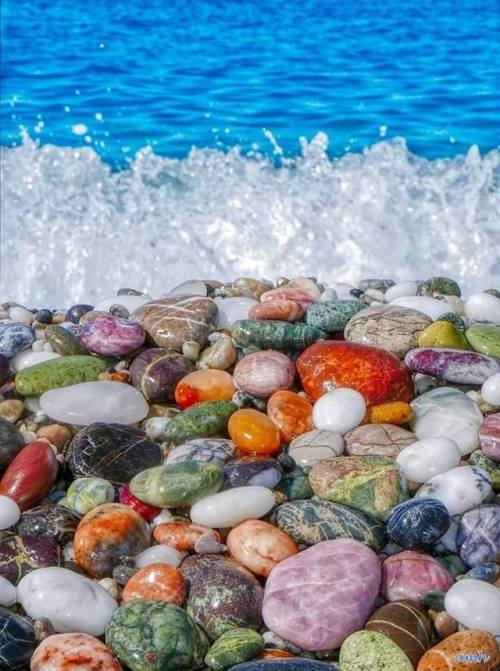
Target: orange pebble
<point>274,653</point>
<point>156,582</point>
<point>394,412</point>
<point>204,385</point>
<point>282,309</point>
<point>181,535</point>
<point>253,432</point>
<point>288,293</point>
<point>260,546</point>
<point>470,650</point>
<point>291,413</point>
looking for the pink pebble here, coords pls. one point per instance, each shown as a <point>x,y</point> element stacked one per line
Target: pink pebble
<point>408,574</point>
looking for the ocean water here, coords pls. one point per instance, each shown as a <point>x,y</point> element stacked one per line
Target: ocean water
<point>146,143</point>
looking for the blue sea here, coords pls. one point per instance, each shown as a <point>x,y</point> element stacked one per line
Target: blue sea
<point>147,142</point>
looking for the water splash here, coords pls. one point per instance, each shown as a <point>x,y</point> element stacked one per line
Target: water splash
<point>72,229</point>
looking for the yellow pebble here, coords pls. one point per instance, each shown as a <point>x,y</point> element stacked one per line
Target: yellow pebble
<point>395,412</point>
<point>442,334</point>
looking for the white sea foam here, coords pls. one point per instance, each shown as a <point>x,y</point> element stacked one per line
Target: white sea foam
<point>74,230</point>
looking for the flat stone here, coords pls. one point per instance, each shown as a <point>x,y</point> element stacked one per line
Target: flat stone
<point>452,365</point>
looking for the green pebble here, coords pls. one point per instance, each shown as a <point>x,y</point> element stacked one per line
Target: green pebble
<point>478,458</point>
<point>484,338</point>
<point>295,485</point>
<point>233,647</point>
<point>273,334</point>
<point>443,285</point>
<point>433,599</point>
<point>201,420</point>
<point>332,316</point>
<point>453,564</point>
<point>60,372</point>
<point>372,651</point>
<point>63,341</point>
<point>85,494</point>
<point>178,484</point>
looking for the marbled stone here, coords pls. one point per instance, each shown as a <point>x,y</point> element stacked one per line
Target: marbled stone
<point>234,647</point>
<point>373,650</point>
<point>489,436</point>
<point>63,341</point>
<point>216,451</point>
<point>73,652</point>
<point>17,641</point>
<point>253,470</point>
<point>59,372</point>
<point>295,485</point>
<point>280,310</point>
<point>332,316</point>
<point>314,446</point>
<point>272,334</point>
<point>460,489</point>
<point>484,338</point>
<point>471,650</point>
<point>21,554</point>
<point>418,523</point>
<point>49,521</point>
<point>310,522</point>
<point>489,572</point>
<point>201,420</point>
<point>115,452</point>
<point>11,442</point>
<point>426,458</point>
<point>112,336</point>
<point>229,508</point>
<point>260,546</point>
<point>260,374</point>
<point>478,537</point>
<point>84,494</point>
<point>308,601</point>
<point>156,582</point>
<point>474,603</point>
<point>14,338</point>
<point>155,373</point>
<point>479,459</point>
<point>452,365</point>
<point>384,440</point>
<point>30,475</point>
<point>408,575</point>
<point>221,594</point>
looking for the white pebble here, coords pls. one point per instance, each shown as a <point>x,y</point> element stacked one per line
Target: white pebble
<point>164,517</point>
<point>20,314</point>
<point>31,358</point>
<point>9,512</point>
<point>432,307</point>
<point>483,307</point>
<point>339,410</point>
<point>401,290</point>
<point>159,554</point>
<point>229,508</point>
<point>37,346</point>
<point>475,604</point>
<point>8,593</point>
<point>490,391</point>
<point>233,309</point>
<point>342,289</point>
<point>460,488</point>
<point>328,295</point>
<point>426,458</point>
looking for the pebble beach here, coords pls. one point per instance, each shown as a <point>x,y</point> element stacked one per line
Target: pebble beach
<point>252,475</point>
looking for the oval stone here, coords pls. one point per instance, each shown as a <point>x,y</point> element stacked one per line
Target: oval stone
<point>272,334</point>
<point>59,372</point>
<point>21,554</point>
<point>201,420</point>
<point>233,647</point>
<point>84,494</point>
<point>312,521</point>
<point>426,458</point>
<point>49,521</point>
<point>418,523</point>
<point>408,575</point>
<point>314,446</point>
<point>489,436</point>
<point>17,640</point>
<point>253,470</point>
<point>233,308</point>
<point>114,452</point>
<point>73,652</point>
<point>383,440</point>
<point>460,489</point>
<point>478,536</point>
<point>452,365</point>
<point>373,650</point>
<point>332,316</point>
<point>31,475</point>
<point>217,451</point>
<point>14,338</point>
<point>260,546</point>
<point>484,338</point>
<point>89,402</point>
<point>11,442</point>
<point>156,372</point>
<point>112,336</point>
<point>431,307</point>
<point>260,374</point>
<point>229,508</point>
<point>474,603</point>
<point>29,358</point>
<point>483,307</point>
<point>63,341</point>
<point>308,601</point>
<point>457,652</point>
<point>9,512</point>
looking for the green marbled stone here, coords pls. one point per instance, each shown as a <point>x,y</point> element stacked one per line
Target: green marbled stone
<point>201,420</point>
<point>332,316</point>
<point>443,285</point>
<point>177,484</point>
<point>371,650</point>
<point>484,338</point>
<point>156,636</point>
<point>85,494</point>
<point>478,458</point>
<point>271,334</point>
<point>60,372</point>
<point>312,521</point>
<point>295,485</point>
<point>233,647</point>
<point>63,341</point>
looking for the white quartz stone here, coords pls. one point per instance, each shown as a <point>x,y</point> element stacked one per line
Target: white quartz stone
<point>490,391</point>
<point>431,307</point>
<point>343,290</point>
<point>229,508</point>
<point>88,402</point>
<point>189,288</point>
<point>131,303</point>
<point>483,307</point>
<point>31,358</point>
<point>9,512</point>
<point>460,489</point>
<point>8,593</point>
<point>20,314</point>
<point>232,309</point>
<point>72,602</point>
<point>401,290</point>
<point>339,410</point>
<point>159,554</point>
<point>328,295</point>
<point>314,446</point>
<point>475,604</point>
<point>162,518</point>
<point>426,458</point>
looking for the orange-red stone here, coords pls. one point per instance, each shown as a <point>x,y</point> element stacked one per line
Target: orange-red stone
<point>204,385</point>
<point>291,413</point>
<point>378,375</point>
<point>182,535</point>
<point>31,475</point>
<point>253,432</point>
<point>260,546</point>
<point>471,650</point>
<point>274,653</point>
<point>156,582</point>
<point>281,309</point>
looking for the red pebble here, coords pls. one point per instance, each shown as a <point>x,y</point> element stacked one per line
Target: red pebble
<point>30,475</point>
<point>126,497</point>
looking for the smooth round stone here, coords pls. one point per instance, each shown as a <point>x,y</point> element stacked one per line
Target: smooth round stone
<point>483,308</point>
<point>372,650</point>
<point>14,338</point>
<point>253,432</point>
<point>452,365</point>
<point>189,288</point>
<point>426,458</point>
<point>58,372</point>
<point>21,554</point>
<point>260,374</point>
<point>445,412</point>
<point>475,604</point>
<point>85,494</point>
<point>202,420</point>
<point>382,440</point>
<point>112,336</point>
<point>490,391</point>
<point>222,594</point>
<point>4,369</point>
<point>156,582</point>
<point>69,652</point>
<point>484,338</point>
<point>233,647</point>
<point>489,436</point>
<point>371,484</point>
<point>11,442</point>
<point>69,600</point>
<point>339,410</point>
<point>460,489</point>
<point>8,593</point>
<point>418,523</point>
<point>30,475</point>
<point>231,310</point>
<point>253,470</point>
<point>63,341</point>
<point>314,446</point>
<point>279,309</point>
<point>49,521</point>
<point>401,290</point>
<point>9,512</point>
<point>408,575</point>
<point>29,358</point>
<point>156,372</point>
<point>443,334</point>
<point>442,285</point>
<point>76,312</point>
<point>260,546</point>
<point>332,316</point>
<point>170,322</point>
<point>156,636</point>
<point>308,601</point>
<point>159,554</point>
<point>89,402</point>
<point>229,508</point>
<point>406,624</point>
<point>471,650</point>
<point>391,328</point>
<point>432,307</point>
<point>312,521</point>
<point>130,302</point>
<point>17,641</point>
<point>111,451</point>
<point>204,385</point>
<point>107,533</point>
<point>478,537</point>
<point>178,484</point>
<point>274,334</point>
<point>216,451</point>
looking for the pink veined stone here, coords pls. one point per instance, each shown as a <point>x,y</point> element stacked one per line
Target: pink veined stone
<point>282,310</point>
<point>290,294</point>
<point>320,596</point>
<point>489,436</point>
<point>408,574</point>
<point>112,336</point>
<point>262,373</point>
